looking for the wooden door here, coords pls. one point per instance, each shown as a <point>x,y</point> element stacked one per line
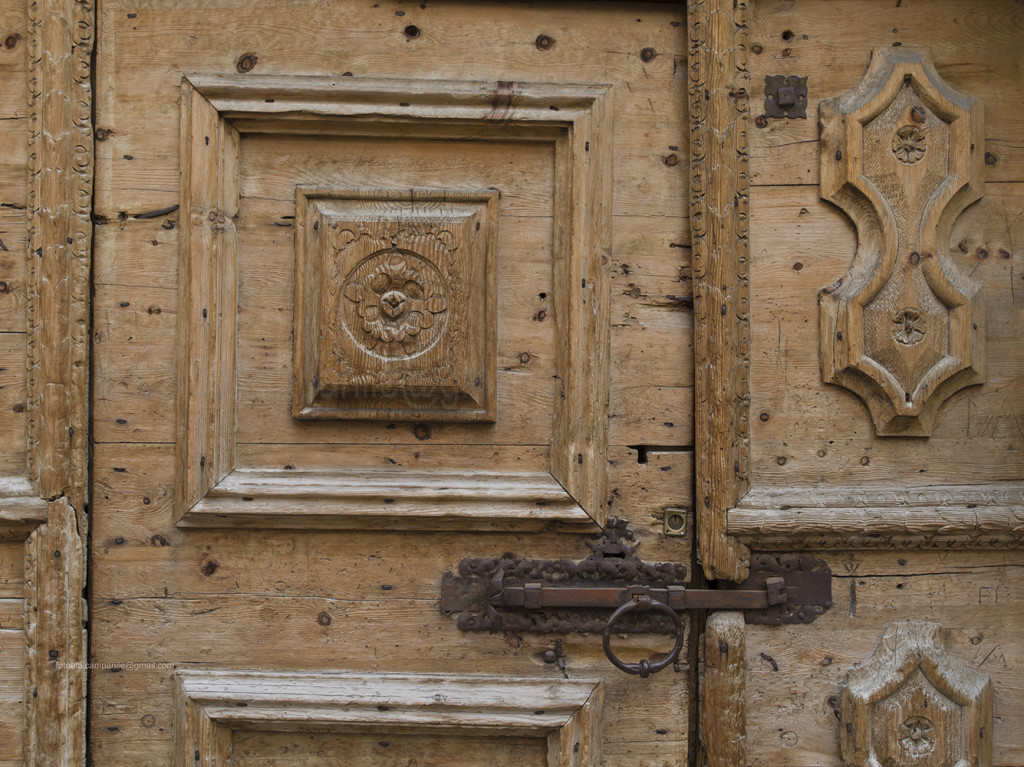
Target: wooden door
<point>380,286</point>
<point>858,323</point>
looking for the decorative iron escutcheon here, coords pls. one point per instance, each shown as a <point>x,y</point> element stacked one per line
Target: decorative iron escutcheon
<point>562,596</point>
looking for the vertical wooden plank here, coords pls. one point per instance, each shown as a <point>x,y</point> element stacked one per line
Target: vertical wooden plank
<point>55,674</point>
<point>59,233</point>
<point>60,241</point>
<point>723,706</point>
<point>583,196</point>
<point>579,741</point>
<point>719,84</point>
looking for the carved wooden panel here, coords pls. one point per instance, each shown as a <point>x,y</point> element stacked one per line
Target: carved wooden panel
<point>394,313</point>
<point>902,155</point>
<point>912,704</point>
<point>395,304</point>
<point>211,705</point>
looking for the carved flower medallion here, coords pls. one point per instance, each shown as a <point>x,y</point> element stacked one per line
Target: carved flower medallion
<point>909,326</point>
<point>916,737</point>
<point>400,304</point>
<point>909,144</point>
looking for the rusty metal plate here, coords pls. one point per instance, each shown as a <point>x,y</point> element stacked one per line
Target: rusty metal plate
<point>785,96</point>
<point>612,563</point>
<point>509,594</point>
<point>809,578</point>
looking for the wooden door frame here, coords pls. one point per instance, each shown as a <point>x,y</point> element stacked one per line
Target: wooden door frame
<point>45,506</point>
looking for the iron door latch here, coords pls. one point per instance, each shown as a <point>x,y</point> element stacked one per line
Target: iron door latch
<point>613,590</point>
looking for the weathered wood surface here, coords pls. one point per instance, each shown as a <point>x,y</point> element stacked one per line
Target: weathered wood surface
<point>967,48</point>
<point>45,240</point>
<point>901,154</point>
<point>211,424</point>
<point>373,592</point>
<point>55,637</point>
<point>912,699</point>
<point>13,271</point>
<point>723,685</point>
<point>793,675</point>
<point>719,205</point>
<point>806,436</point>
<point>819,476</point>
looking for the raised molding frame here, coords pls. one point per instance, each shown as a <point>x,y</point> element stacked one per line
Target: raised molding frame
<point>732,516</point>
<point>209,704</point>
<point>216,111</point>
<point>46,506</point>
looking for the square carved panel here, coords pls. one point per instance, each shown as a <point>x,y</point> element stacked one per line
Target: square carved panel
<point>395,304</point>
<point>393,314</point>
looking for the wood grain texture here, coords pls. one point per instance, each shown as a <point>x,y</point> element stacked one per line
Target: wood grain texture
<point>207,302</point>
<point>376,587</point>
<point>207,313</point>
<point>931,516</point>
<point>395,304</point>
<point>912,701</point>
<point>60,151</point>
<point>794,675</point>
<point>55,678</point>
<point>21,509</point>
<point>211,703</point>
<point>901,154</point>
<point>58,206</point>
<point>723,690</point>
<point>719,90</point>
<point>833,55</point>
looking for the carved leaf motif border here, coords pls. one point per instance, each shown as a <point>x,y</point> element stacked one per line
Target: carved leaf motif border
<point>732,516</point>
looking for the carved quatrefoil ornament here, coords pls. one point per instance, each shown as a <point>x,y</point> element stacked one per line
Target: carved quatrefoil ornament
<point>902,155</point>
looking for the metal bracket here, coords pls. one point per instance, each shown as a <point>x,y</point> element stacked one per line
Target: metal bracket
<point>675,521</point>
<point>562,596</point>
<point>785,96</point>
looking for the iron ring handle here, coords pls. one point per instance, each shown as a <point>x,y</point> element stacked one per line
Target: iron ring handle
<point>644,668</point>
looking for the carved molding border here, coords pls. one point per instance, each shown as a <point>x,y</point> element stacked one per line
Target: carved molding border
<point>936,517</point>
<point>719,183</point>
<point>216,111</point>
<point>210,704</point>
<point>46,506</point>
<point>732,516</point>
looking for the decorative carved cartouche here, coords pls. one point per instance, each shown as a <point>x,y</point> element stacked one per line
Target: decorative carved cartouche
<point>902,155</point>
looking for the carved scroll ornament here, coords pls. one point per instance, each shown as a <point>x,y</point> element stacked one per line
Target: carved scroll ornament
<point>902,155</point>
<point>911,704</point>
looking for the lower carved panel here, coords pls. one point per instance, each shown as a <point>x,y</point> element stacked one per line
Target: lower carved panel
<point>912,705</point>
<point>213,707</point>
